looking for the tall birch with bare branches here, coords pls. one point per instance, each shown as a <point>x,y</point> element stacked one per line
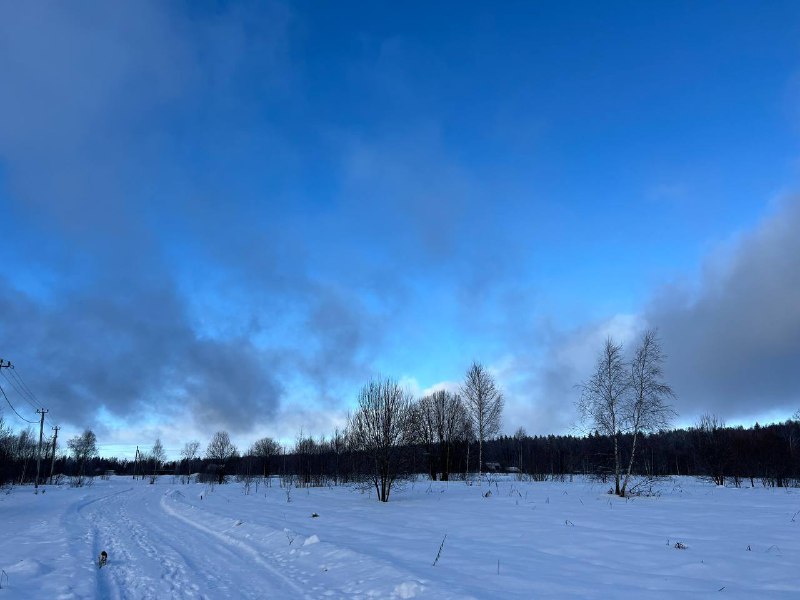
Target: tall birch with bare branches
<point>484,403</point>
<point>648,394</point>
<point>603,397</point>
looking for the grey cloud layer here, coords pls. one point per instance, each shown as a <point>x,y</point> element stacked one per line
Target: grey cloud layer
<point>134,354</point>
<point>732,340</point>
<point>734,344</point>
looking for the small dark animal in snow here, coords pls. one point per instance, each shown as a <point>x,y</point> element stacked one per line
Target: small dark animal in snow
<point>102,559</point>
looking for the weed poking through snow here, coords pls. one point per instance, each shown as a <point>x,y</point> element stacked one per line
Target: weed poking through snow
<point>439,553</point>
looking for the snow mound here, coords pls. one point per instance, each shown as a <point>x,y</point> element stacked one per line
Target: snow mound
<point>311,540</point>
<point>29,567</point>
<point>408,589</point>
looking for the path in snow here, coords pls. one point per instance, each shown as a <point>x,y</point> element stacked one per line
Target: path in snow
<point>156,553</point>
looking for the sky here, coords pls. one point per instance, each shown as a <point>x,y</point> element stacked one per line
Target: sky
<point>232,215</point>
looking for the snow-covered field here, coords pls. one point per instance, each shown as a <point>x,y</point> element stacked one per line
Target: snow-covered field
<point>526,540</point>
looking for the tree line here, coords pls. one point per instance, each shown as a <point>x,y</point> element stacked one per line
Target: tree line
<point>447,435</point>
<point>766,455</point>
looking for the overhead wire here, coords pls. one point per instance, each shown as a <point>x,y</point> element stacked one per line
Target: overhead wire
<point>17,388</point>
<point>14,409</point>
<point>18,377</point>
<point>24,392</point>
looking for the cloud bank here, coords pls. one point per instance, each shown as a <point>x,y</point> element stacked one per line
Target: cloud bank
<point>732,337</point>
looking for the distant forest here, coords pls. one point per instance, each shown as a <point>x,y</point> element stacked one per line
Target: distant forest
<point>756,456</point>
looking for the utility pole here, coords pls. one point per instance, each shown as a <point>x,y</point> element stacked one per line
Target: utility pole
<point>41,411</point>
<point>136,462</point>
<point>53,458</point>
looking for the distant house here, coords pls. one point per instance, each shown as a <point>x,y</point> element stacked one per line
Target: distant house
<point>492,467</point>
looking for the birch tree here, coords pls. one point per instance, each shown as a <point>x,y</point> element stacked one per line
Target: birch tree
<point>484,404</point>
<point>647,408</point>
<point>602,402</point>
<point>159,456</point>
<point>188,454</point>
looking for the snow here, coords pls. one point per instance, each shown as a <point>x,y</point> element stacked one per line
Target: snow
<point>525,540</point>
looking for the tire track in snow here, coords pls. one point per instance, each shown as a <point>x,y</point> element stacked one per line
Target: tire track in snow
<point>154,553</point>
<point>134,553</point>
<point>90,536</point>
<point>289,587</point>
<point>119,579</point>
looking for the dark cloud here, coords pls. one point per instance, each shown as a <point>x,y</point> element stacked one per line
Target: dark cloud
<point>732,338</point>
<point>734,341</point>
<point>133,353</point>
<point>157,283</point>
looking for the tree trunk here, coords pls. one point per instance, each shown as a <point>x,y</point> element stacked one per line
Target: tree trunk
<point>616,465</point>
<point>630,463</point>
<point>480,459</point>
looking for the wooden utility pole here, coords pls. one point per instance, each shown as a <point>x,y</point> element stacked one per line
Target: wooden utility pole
<point>136,462</point>
<point>42,412</point>
<point>53,458</point>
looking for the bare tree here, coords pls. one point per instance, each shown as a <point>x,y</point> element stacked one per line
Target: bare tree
<point>423,429</point>
<point>221,450</point>
<point>25,450</point>
<point>264,449</point>
<point>519,436</point>
<point>6,451</point>
<point>83,448</point>
<point>711,438</point>
<point>603,396</point>
<point>646,407</point>
<point>379,429</point>
<point>337,447</point>
<point>440,421</point>
<point>304,449</point>
<point>484,404</point>
<point>188,454</point>
<point>159,456</point>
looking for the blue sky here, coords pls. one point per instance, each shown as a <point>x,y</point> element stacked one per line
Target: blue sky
<point>231,216</point>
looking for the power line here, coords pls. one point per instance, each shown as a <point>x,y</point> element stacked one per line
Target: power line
<point>18,377</point>
<point>21,388</point>
<point>14,409</point>
<point>17,389</point>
